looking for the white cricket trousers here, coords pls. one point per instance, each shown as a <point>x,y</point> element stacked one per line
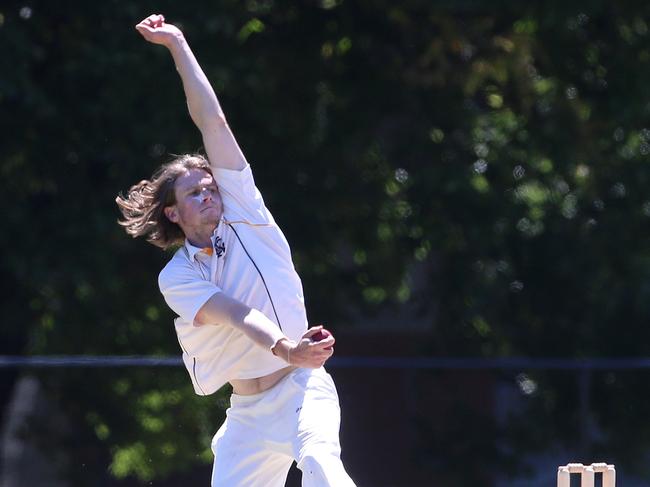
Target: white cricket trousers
<point>297,419</point>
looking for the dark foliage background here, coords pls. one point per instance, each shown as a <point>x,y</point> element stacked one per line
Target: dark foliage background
<point>479,169</point>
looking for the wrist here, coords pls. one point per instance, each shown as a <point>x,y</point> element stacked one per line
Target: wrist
<point>176,42</point>
<point>282,349</point>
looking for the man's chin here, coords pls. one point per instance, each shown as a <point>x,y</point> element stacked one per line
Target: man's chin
<point>211,216</point>
<point>210,211</point>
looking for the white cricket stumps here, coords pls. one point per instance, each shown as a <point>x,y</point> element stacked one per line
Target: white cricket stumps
<point>588,474</point>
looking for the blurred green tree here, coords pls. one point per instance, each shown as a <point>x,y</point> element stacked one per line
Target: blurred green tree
<point>482,170</point>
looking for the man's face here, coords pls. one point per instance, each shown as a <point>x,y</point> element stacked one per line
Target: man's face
<point>198,207</point>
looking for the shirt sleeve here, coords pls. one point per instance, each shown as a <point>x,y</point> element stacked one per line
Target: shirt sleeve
<point>184,289</point>
<point>240,195</point>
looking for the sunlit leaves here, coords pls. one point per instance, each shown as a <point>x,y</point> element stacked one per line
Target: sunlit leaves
<point>253,26</point>
<point>133,460</point>
<point>532,194</point>
<point>526,26</point>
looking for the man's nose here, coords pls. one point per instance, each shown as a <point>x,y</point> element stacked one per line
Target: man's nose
<point>207,195</point>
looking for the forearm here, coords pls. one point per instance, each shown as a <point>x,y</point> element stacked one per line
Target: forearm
<point>202,101</point>
<point>220,144</point>
<point>221,310</point>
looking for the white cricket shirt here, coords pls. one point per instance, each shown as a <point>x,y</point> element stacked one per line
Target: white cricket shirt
<point>251,263</point>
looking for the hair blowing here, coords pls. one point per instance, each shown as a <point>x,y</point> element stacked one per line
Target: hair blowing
<point>144,204</point>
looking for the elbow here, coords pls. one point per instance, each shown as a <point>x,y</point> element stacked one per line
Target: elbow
<point>200,319</point>
<point>216,311</point>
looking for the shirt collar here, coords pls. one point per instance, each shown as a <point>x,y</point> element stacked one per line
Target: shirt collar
<point>192,250</point>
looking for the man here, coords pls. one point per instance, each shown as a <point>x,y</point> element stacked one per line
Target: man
<point>241,314</point>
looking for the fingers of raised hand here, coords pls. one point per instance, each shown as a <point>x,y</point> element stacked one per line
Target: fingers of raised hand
<point>155,20</point>
<point>152,22</point>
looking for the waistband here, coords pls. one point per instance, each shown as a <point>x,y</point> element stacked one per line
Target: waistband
<point>237,400</point>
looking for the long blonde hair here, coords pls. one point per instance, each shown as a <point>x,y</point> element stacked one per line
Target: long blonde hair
<point>144,204</point>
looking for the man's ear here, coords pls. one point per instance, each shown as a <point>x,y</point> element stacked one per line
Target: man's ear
<point>171,213</point>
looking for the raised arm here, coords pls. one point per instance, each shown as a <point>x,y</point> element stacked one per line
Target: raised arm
<point>220,144</point>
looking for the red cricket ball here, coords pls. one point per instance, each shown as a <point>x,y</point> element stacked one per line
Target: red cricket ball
<point>322,334</point>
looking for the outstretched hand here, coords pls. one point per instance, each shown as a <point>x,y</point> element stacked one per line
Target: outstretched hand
<point>155,30</point>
